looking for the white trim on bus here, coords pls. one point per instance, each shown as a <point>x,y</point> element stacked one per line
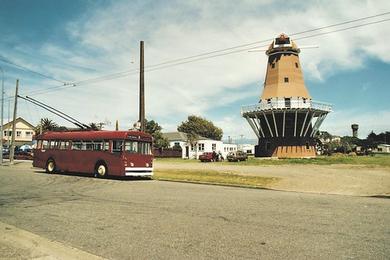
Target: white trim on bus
<point>138,171</point>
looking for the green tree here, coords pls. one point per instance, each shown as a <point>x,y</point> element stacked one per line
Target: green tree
<point>324,135</point>
<point>153,128</point>
<point>46,124</point>
<point>95,126</point>
<point>196,126</point>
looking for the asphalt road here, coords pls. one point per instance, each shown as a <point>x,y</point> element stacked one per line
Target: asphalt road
<point>131,219</point>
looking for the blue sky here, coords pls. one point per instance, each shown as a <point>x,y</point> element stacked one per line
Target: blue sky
<point>77,40</point>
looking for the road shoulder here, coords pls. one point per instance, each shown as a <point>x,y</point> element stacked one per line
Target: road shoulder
<point>21,244</point>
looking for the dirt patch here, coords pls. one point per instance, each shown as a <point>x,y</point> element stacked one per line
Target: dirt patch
<point>330,179</point>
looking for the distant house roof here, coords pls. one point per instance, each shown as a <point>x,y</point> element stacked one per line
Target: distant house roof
<point>19,119</point>
<point>180,136</point>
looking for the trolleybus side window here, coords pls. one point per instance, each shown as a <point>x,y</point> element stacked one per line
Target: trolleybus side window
<point>52,144</point>
<point>117,146</point>
<point>98,145</point>
<point>106,145</point>
<point>131,147</point>
<point>45,144</point>
<point>64,145</point>
<point>76,145</point>
<point>87,145</point>
<point>39,144</point>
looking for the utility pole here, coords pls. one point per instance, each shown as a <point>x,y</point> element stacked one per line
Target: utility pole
<point>141,88</point>
<point>9,117</point>
<point>12,151</point>
<point>2,117</point>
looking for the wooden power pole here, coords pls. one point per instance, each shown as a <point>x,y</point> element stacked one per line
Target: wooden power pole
<point>141,88</point>
<point>12,150</point>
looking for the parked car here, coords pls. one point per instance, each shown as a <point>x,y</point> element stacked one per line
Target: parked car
<point>5,150</point>
<point>19,154</point>
<point>237,156</point>
<point>206,157</point>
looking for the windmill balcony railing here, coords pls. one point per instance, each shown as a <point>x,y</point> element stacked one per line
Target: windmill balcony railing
<point>282,104</point>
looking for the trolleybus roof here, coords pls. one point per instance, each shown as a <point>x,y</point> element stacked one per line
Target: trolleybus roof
<point>94,135</point>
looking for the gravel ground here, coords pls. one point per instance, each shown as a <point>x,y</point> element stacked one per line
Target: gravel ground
<point>133,219</point>
<point>329,179</point>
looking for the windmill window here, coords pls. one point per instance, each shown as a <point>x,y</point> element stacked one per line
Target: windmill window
<point>285,40</point>
<point>296,65</point>
<point>307,146</point>
<point>286,80</point>
<point>273,65</point>
<point>267,146</point>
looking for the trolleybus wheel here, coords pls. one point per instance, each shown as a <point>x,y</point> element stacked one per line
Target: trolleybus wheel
<point>100,170</point>
<point>50,166</point>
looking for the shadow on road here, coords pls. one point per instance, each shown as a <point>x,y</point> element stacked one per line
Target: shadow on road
<point>90,175</point>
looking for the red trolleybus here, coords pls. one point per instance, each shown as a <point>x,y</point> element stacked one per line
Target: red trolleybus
<point>116,153</point>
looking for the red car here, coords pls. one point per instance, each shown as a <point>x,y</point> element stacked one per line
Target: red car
<point>206,157</point>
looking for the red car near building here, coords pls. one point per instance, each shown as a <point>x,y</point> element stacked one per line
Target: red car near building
<point>206,157</point>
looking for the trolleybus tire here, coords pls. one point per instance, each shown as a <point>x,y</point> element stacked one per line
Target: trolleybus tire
<point>100,170</point>
<point>50,166</point>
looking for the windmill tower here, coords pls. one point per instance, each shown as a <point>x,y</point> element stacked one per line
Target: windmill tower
<point>286,119</point>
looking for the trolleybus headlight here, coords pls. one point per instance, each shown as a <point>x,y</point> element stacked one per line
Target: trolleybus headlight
<point>147,164</point>
<point>131,164</point>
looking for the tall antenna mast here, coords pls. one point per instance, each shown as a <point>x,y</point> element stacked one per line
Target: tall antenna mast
<point>141,89</point>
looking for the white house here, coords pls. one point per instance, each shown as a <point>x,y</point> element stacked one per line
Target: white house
<point>24,132</point>
<point>192,151</point>
<point>248,148</point>
<point>383,148</point>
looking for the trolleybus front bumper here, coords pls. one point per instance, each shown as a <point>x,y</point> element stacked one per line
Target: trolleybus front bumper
<point>139,171</point>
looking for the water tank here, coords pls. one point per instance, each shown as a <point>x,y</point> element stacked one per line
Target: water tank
<point>355,128</point>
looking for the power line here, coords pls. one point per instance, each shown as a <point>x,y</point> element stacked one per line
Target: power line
<point>207,55</point>
<point>5,60</point>
<point>237,46</point>
<point>227,53</point>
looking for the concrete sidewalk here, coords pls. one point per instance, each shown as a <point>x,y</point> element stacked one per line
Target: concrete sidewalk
<point>17,243</point>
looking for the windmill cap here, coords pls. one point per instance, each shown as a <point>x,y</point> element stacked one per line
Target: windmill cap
<point>282,43</point>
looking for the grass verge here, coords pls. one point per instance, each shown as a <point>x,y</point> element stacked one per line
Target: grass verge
<point>214,177</point>
<point>378,160</point>
<point>371,161</point>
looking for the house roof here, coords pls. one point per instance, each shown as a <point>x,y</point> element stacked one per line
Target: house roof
<point>180,136</point>
<point>19,119</point>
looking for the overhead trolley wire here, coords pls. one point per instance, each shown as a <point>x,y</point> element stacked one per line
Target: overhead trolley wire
<point>213,54</point>
<point>235,47</point>
<point>5,60</point>
<point>150,68</point>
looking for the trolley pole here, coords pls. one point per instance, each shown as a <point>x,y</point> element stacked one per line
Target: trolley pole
<point>12,151</point>
<point>141,88</point>
<point>2,117</point>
